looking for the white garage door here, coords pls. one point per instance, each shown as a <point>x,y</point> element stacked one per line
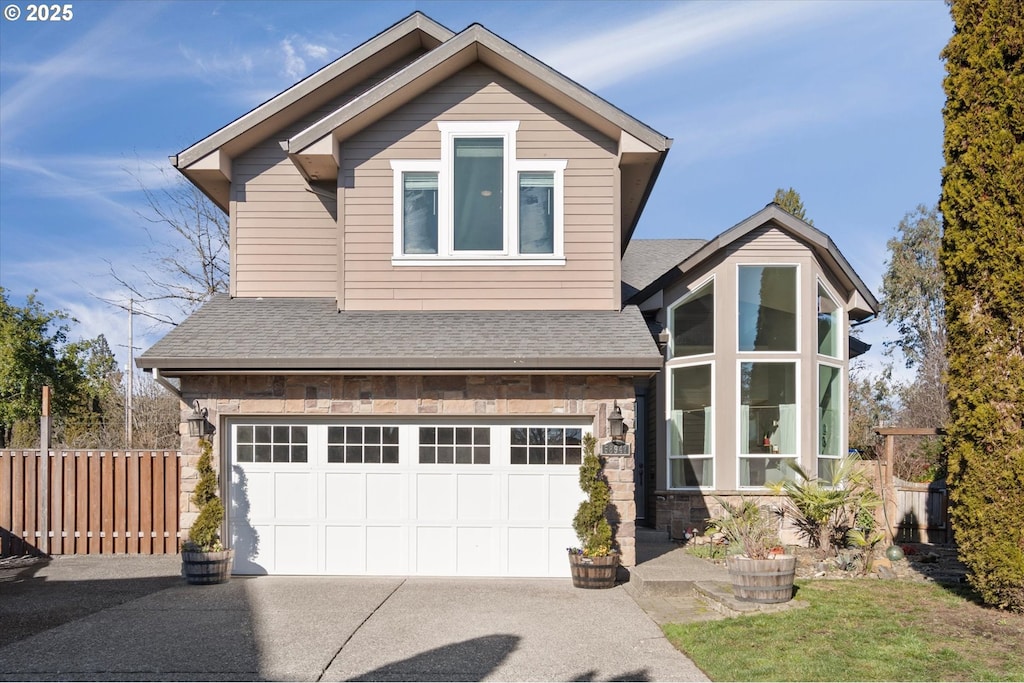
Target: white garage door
<point>380,498</point>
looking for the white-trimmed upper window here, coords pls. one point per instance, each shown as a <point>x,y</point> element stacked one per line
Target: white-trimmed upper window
<point>692,322</point>
<point>478,202</point>
<point>829,322</point>
<point>767,308</point>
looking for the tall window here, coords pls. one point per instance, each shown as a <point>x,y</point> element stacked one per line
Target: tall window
<point>767,421</point>
<point>419,212</point>
<point>478,183</point>
<point>693,322</point>
<point>478,201</point>
<point>537,212</point>
<point>691,427</point>
<point>767,308</point>
<point>829,422</point>
<point>828,324</point>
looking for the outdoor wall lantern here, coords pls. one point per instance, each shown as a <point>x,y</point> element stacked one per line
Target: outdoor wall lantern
<point>198,426</point>
<point>616,425</point>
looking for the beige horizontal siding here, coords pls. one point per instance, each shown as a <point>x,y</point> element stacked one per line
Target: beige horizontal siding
<point>285,240</point>
<point>586,281</point>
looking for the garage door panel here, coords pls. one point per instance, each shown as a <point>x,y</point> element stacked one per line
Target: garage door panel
<point>258,492</point>
<point>435,550</point>
<point>564,496</point>
<point>253,548</point>
<point>345,549</point>
<point>526,556</point>
<point>386,496</point>
<point>526,497</point>
<point>478,497</point>
<point>435,497</point>
<point>295,549</point>
<point>295,495</point>
<point>558,540</point>
<point>345,496</point>
<point>477,551</point>
<point>387,550</point>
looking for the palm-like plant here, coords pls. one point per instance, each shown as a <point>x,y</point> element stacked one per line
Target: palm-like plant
<point>825,510</point>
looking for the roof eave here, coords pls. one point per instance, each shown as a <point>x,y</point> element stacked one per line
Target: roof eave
<point>866,304</point>
<point>174,367</point>
<point>476,43</point>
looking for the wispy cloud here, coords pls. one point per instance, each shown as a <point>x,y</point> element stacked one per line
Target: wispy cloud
<point>41,89</point>
<point>682,30</point>
<point>294,66</point>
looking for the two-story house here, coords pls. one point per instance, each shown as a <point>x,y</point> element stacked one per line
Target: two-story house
<point>434,297</point>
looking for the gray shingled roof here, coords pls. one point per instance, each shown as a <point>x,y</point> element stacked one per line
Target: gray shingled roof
<point>647,260</point>
<point>311,334</point>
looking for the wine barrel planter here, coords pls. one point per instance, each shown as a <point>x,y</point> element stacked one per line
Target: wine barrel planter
<point>593,572</point>
<point>763,581</point>
<point>206,568</point>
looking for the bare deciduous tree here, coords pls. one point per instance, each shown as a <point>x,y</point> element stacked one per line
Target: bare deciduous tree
<point>189,257</point>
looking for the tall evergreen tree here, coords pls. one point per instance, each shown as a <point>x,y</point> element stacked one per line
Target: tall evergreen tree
<point>983,268</point>
<point>791,202</point>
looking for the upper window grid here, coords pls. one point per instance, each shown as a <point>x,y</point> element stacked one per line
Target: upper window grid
<point>271,443</point>
<point>362,444</point>
<point>546,445</point>
<point>455,445</point>
<point>529,200</point>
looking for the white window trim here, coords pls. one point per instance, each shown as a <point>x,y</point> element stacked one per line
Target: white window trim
<point>444,167</point>
<point>841,324</point>
<point>739,417</point>
<point>669,457</point>
<point>672,321</point>
<point>799,309</point>
<point>843,436</point>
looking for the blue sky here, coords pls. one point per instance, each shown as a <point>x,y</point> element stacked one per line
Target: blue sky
<point>841,100</point>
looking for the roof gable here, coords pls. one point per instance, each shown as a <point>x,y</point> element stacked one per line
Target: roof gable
<point>420,54</point>
<point>207,163</point>
<point>865,303</point>
<point>642,150</point>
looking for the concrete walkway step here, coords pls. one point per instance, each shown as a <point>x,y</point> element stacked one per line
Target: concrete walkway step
<point>673,586</point>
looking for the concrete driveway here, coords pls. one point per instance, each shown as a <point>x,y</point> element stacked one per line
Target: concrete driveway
<point>132,618</point>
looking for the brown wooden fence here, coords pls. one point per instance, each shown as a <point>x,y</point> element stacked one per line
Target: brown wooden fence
<point>914,512</point>
<point>89,502</point>
<point>922,512</point>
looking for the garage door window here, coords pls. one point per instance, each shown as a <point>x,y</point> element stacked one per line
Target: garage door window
<point>272,443</point>
<point>455,445</point>
<point>546,446</point>
<point>357,444</point>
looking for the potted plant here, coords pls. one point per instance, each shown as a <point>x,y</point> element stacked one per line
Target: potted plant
<point>203,557</point>
<point>761,573</point>
<point>595,562</point>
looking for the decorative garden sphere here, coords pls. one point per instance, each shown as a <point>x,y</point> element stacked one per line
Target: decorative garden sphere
<point>894,553</point>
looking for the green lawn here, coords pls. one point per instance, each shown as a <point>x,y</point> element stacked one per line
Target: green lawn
<point>862,630</point>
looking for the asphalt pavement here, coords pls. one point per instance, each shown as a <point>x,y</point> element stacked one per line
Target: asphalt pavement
<point>133,618</point>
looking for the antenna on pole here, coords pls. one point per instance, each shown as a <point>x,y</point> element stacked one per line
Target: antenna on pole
<point>130,387</point>
<point>129,408</point>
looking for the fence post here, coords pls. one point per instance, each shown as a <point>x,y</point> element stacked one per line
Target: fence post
<point>45,437</point>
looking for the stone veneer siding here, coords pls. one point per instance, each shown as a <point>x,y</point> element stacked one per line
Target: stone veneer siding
<point>419,396</point>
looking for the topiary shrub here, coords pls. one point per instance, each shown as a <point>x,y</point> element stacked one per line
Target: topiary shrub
<point>204,536</point>
<point>591,523</point>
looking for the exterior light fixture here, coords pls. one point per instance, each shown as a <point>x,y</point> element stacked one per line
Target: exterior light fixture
<point>197,424</point>
<point>616,427</point>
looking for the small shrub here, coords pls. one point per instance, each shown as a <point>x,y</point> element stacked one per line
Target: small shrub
<point>748,527</point>
<point>204,536</point>
<point>590,523</point>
